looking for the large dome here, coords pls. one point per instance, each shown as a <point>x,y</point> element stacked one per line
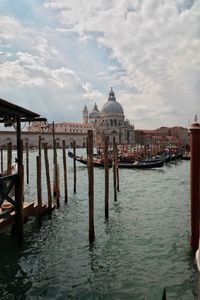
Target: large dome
<point>112,106</point>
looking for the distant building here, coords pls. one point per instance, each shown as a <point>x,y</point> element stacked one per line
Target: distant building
<point>170,135</point>
<point>109,121</point>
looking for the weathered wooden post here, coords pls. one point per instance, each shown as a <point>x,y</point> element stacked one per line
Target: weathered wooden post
<point>9,157</point>
<point>117,169</point>
<point>114,170</point>
<point>74,165</point>
<point>91,186</point>
<point>195,182</point>
<point>48,178</point>
<point>27,163</point>
<point>1,159</point>
<point>56,179</point>
<point>19,190</point>
<point>39,185</point>
<point>39,145</point>
<point>106,167</point>
<point>65,172</point>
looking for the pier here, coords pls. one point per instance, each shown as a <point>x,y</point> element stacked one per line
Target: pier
<point>15,211</point>
<point>106,202</point>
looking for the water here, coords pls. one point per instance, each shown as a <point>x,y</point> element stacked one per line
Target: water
<point>145,243</point>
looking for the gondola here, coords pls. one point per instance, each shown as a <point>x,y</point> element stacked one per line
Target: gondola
<point>143,164</point>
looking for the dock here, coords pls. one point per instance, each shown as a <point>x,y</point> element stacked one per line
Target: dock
<point>8,215</point>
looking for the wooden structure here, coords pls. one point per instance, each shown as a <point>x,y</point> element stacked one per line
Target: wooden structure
<point>14,115</point>
<point>195,183</point>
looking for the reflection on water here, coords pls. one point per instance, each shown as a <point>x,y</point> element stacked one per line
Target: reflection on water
<point>144,243</point>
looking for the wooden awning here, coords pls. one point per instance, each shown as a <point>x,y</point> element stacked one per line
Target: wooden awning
<point>10,111</point>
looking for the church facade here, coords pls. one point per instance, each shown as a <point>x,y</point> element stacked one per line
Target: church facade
<point>109,121</point>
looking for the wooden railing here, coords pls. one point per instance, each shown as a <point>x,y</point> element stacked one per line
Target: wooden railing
<point>7,184</point>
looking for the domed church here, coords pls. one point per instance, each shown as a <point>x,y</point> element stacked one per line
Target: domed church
<point>110,121</point>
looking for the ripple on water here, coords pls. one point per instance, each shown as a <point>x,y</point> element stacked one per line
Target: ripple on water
<point>144,243</point>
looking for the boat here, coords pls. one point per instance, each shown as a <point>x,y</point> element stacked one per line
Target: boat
<point>142,164</point>
<point>186,156</point>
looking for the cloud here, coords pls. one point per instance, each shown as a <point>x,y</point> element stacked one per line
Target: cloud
<point>31,79</point>
<point>149,51</point>
<point>156,43</point>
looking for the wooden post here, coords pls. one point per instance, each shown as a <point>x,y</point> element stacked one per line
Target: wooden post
<point>19,191</point>
<point>91,186</point>
<point>27,163</point>
<point>106,177</point>
<point>56,179</point>
<point>54,142</point>
<point>195,183</point>
<point>117,170</point>
<point>9,158</point>
<point>1,159</point>
<point>39,185</point>
<point>48,177</point>
<point>39,145</point>
<point>65,172</point>
<point>114,170</point>
<point>74,165</point>
<point>54,167</point>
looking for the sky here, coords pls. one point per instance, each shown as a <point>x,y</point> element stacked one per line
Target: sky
<point>57,55</point>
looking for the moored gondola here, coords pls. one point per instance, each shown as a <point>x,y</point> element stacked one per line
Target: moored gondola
<point>142,164</point>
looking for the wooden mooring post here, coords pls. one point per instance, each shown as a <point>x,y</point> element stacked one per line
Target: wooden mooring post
<point>9,158</point>
<point>1,159</point>
<point>19,186</point>
<point>74,165</point>
<point>195,183</point>
<point>27,163</point>
<point>117,170</point>
<point>106,168</point>
<point>39,145</point>
<point>39,186</point>
<point>114,170</point>
<point>56,178</point>
<point>46,160</point>
<point>91,186</point>
<point>65,171</point>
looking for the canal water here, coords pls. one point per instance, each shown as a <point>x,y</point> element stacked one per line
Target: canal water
<point>145,243</point>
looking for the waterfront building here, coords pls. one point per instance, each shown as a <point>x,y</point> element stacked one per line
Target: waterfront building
<point>171,135</point>
<point>110,121</point>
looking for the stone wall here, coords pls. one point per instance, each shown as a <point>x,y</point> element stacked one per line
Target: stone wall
<point>33,137</point>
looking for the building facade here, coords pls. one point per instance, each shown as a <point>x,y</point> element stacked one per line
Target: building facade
<point>109,121</point>
<point>165,135</point>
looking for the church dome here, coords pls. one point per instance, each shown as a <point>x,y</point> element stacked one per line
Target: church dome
<point>95,113</point>
<point>112,106</point>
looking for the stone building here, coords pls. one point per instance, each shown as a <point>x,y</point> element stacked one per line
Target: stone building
<point>165,135</point>
<point>110,121</point>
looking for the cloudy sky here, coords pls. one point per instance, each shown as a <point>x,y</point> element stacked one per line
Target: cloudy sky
<point>57,55</point>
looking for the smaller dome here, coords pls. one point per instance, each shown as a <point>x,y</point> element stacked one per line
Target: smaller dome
<point>95,113</point>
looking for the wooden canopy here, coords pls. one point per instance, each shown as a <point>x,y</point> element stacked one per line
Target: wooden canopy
<point>11,111</point>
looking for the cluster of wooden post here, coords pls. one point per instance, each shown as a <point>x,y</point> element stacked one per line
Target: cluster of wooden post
<point>19,186</point>
<point>56,188</point>
<point>56,181</point>
<point>90,164</point>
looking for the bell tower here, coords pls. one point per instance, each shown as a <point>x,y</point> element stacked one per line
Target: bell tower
<point>85,115</point>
